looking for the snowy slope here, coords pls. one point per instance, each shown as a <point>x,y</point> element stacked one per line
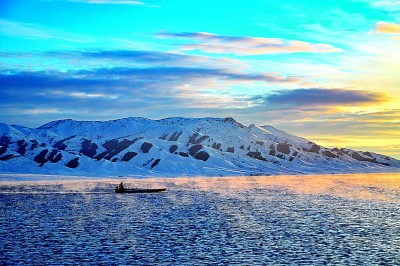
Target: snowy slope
<point>173,147</point>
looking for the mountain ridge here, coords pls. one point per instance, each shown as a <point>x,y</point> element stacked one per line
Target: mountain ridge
<point>173,146</point>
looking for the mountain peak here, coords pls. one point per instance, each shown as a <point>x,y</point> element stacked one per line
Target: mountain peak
<point>174,146</point>
<point>55,123</point>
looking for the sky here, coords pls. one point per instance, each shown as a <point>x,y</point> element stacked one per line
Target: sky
<point>325,70</point>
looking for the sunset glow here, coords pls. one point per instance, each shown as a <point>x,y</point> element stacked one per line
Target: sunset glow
<point>324,70</point>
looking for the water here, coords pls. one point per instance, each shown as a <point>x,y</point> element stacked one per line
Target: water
<point>347,220</point>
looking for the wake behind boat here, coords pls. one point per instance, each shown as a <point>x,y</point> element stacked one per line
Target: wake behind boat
<point>121,189</point>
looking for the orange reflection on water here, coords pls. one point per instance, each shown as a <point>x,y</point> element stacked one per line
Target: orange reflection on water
<point>361,186</point>
<point>379,186</point>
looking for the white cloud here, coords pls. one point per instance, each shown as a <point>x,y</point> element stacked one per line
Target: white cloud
<point>389,5</point>
<point>35,31</point>
<point>110,2</point>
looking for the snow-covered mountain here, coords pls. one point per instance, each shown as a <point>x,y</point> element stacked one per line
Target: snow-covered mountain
<point>173,147</point>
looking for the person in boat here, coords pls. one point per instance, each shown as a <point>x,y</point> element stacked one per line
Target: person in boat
<point>121,186</point>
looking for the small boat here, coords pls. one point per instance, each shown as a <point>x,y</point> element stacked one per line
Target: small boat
<point>139,190</point>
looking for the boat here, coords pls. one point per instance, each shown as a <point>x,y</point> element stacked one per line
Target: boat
<point>139,190</point>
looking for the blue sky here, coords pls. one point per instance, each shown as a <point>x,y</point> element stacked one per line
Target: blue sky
<point>325,70</point>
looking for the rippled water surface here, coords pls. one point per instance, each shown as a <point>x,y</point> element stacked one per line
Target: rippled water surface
<point>348,220</point>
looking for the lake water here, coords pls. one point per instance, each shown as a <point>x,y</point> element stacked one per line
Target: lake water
<point>279,220</point>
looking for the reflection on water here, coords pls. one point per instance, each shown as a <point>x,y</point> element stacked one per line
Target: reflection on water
<point>347,219</point>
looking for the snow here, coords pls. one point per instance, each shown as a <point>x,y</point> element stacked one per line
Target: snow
<point>224,148</point>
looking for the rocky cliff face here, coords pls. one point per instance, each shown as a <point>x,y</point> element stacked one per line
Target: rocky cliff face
<point>173,147</point>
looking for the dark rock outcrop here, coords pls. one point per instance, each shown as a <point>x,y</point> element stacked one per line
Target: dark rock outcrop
<point>194,149</point>
<point>57,158</point>
<point>5,140</point>
<point>216,146</point>
<point>88,148</point>
<point>337,151</point>
<point>231,120</point>
<point>51,155</point>
<point>329,154</point>
<point>368,154</point>
<point>202,155</point>
<point>128,156</point>
<point>281,156</point>
<point>272,147</point>
<point>173,148</point>
<point>34,144</point>
<point>114,147</point>
<point>60,145</point>
<point>41,157</point>
<point>110,144</point>
<point>148,161</point>
<point>22,144</point>
<point>256,155</point>
<point>358,157</point>
<point>183,154</point>
<point>146,147</point>
<point>194,140</point>
<point>314,148</point>
<point>283,148</point>
<point>7,157</point>
<point>74,163</point>
<point>175,136</point>
<point>155,163</point>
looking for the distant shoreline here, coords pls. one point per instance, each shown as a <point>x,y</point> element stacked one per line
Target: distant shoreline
<point>20,177</point>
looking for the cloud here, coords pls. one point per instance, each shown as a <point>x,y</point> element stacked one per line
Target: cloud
<point>38,111</point>
<point>317,97</point>
<point>384,2</point>
<point>54,79</point>
<point>124,91</point>
<point>89,59</point>
<point>150,57</point>
<point>30,30</point>
<point>390,5</point>
<point>126,76</point>
<point>387,28</point>
<point>387,5</point>
<point>144,56</point>
<point>110,2</point>
<point>212,43</point>
<point>22,29</point>
<point>186,74</point>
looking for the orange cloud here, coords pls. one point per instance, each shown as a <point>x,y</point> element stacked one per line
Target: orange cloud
<point>213,43</point>
<point>387,28</point>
